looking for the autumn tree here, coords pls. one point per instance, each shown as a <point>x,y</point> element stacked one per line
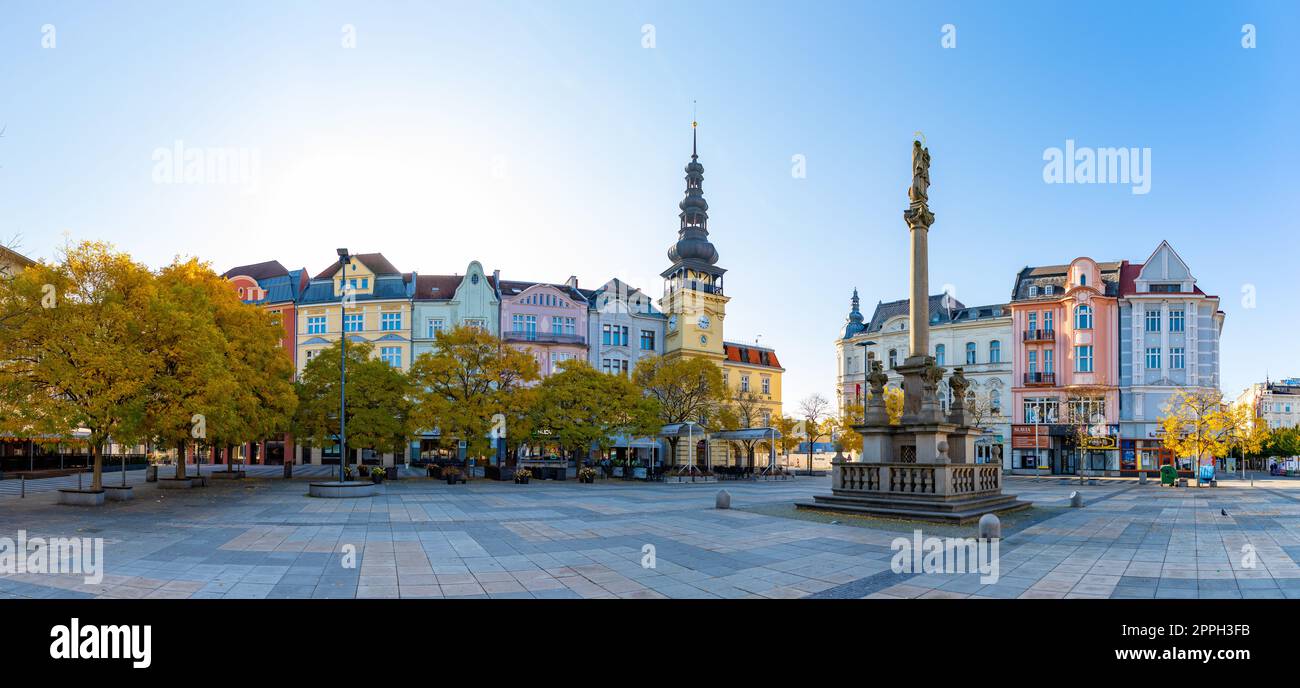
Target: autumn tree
<point>378,401</point>
<point>814,409</point>
<point>73,349</point>
<point>1196,424</point>
<point>788,429</point>
<point>684,389</point>
<point>848,439</point>
<point>585,408</point>
<point>465,382</point>
<point>1247,433</point>
<point>744,410</point>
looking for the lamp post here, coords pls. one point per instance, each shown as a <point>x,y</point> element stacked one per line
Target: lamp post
<point>343,368</point>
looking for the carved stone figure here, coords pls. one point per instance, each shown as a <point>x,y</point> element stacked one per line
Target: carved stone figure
<point>877,379</point>
<point>919,193</point>
<point>959,384</point>
<point>933,374</point>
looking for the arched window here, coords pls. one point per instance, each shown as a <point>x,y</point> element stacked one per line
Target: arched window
<point>1083,280</point>
<point>1083,317</point>
<point>995,351</point>
<point>970,353</point>
<point>939,354</point>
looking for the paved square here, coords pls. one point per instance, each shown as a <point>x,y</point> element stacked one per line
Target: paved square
<point>263,538</point>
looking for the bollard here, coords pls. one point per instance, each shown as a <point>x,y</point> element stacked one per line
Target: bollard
<point>990,527</point>
<point>23,487</point>
<point>723,500</point>
<point>1076,499</point>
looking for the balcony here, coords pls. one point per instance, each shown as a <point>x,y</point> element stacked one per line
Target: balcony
<point>545,338</point>
<point>1040,379</point>
<point>1039,335</point>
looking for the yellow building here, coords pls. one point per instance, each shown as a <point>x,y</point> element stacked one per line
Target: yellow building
<point>371,304</point>
<point>12,263</point>
<point>696,306</point>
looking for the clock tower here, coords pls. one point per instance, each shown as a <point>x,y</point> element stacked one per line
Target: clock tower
<point>693,298</point>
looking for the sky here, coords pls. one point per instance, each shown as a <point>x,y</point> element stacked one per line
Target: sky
<point>547,139</point>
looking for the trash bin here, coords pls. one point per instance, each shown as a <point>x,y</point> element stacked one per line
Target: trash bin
<point>151,473</point>
<point>1168,474</point>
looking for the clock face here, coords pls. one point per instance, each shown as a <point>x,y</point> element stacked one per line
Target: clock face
<point>704,322</point>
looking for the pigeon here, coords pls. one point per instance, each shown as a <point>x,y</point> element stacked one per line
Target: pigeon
<point>1223,512</point>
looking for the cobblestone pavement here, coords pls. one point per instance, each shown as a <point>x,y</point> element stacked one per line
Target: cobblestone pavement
<point>263,538</point>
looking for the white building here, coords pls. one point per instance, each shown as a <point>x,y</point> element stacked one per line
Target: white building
<point>976,339</point>
<point>1278,403</point>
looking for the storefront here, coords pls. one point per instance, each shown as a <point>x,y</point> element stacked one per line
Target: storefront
<point>1032,449</point>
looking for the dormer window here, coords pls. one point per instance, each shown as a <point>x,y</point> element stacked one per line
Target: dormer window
<point>1033,290</point>
<point>1049,289</point>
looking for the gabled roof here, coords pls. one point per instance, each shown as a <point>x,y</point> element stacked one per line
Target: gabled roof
<point>386,287</point>
<point>377,263</point>
<point>513,288</point>
<point>441,287</point>
<point>941,311</point>
<point>258,271</point>
<point>751,355</point>
<point>16,257</point>
<point>1132,271</point>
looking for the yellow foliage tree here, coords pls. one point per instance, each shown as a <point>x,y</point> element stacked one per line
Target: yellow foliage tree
<point>1197,425</point>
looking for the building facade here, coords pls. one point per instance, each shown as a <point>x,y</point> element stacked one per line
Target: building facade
<point>1065,322</point>
<point>1169,341</point>
<point>277,290</point>
<point>12,263</point>
<point>445,302</point>
<point>372,303</point>
<point>1277,403</point>
<point>623,327</point>
<point>977,339</point>
<point>548,321</point>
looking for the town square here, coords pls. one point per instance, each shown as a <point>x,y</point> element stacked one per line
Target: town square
<point>423,538</point>
<point>411,332</point>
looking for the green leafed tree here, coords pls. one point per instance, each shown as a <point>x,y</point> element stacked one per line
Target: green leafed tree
<point>378,401</point>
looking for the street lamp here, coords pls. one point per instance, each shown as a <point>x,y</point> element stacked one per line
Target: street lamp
<point>344,259</point>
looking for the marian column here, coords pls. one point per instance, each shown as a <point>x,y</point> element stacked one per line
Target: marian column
<point>919,218</point>
<point>921,376</point>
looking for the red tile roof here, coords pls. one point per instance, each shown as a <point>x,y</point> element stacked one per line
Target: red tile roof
<point>751,355</point>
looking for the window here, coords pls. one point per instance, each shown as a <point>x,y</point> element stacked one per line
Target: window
<point>316,324</point>
<point>1047,321</point>
<point>744,383</point>
<point>1153,358</point>
<point>1083,280</point>
<point>1166,288</point>
<point>1033,322</point>
<point>476,323</point>
<point>1177,321</point>
<point>1049,289</point>
<point>893,358</point>
<point>435,326</point>
<point>1083,317</point>
<point>1033,291</point>
<point>620,334</point>
<point>1033,362</point>
<point>1041,410</point>
<point>517,323</point>
<point>1087,410</point>
<point>995,351</point>
<point>1047,361</point>
<point>970,353</point>
<point>311,353</point>
<point>390,322</point>
<point>767,389</point>
<point>1083,359</point>
<point>1153,321</point>
<point>647,340</point>
<point>392,355</point>
<point>939,354</point>
<point>606,334</point>
<point>767,419</point>
<point>1177,358</point>
<point>353,322</point>
<point>614,366</point>
<point>557,325</point>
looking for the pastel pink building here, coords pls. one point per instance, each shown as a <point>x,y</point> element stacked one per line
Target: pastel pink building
<point>547,320</point>
<point>1065,323</point>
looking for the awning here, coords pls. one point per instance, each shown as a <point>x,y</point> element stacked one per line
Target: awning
<point>747,434</point>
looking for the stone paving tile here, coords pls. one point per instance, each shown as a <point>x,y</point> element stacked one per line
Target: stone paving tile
<point>553,540</point>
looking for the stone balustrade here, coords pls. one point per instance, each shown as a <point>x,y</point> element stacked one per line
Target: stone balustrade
<point>932,479</point>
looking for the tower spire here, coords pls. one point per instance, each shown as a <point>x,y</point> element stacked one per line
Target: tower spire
<point>693,246</point>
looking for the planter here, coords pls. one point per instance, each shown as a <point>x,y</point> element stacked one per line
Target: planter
<point>175,483</point>
<point>118,493</point>
<point>227,475</point>
<point>376,479</point>
<point>639,472</point>
<point>522,481</point>
<point>151,473</point>
<point>343,490</point>
<point>73,497</point>
<point>618,471</point>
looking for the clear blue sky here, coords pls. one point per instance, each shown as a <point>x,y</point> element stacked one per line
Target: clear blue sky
<point>544,140</point>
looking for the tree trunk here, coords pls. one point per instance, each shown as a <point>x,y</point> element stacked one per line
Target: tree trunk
<point>180,460</point>
<point>97,474</point>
